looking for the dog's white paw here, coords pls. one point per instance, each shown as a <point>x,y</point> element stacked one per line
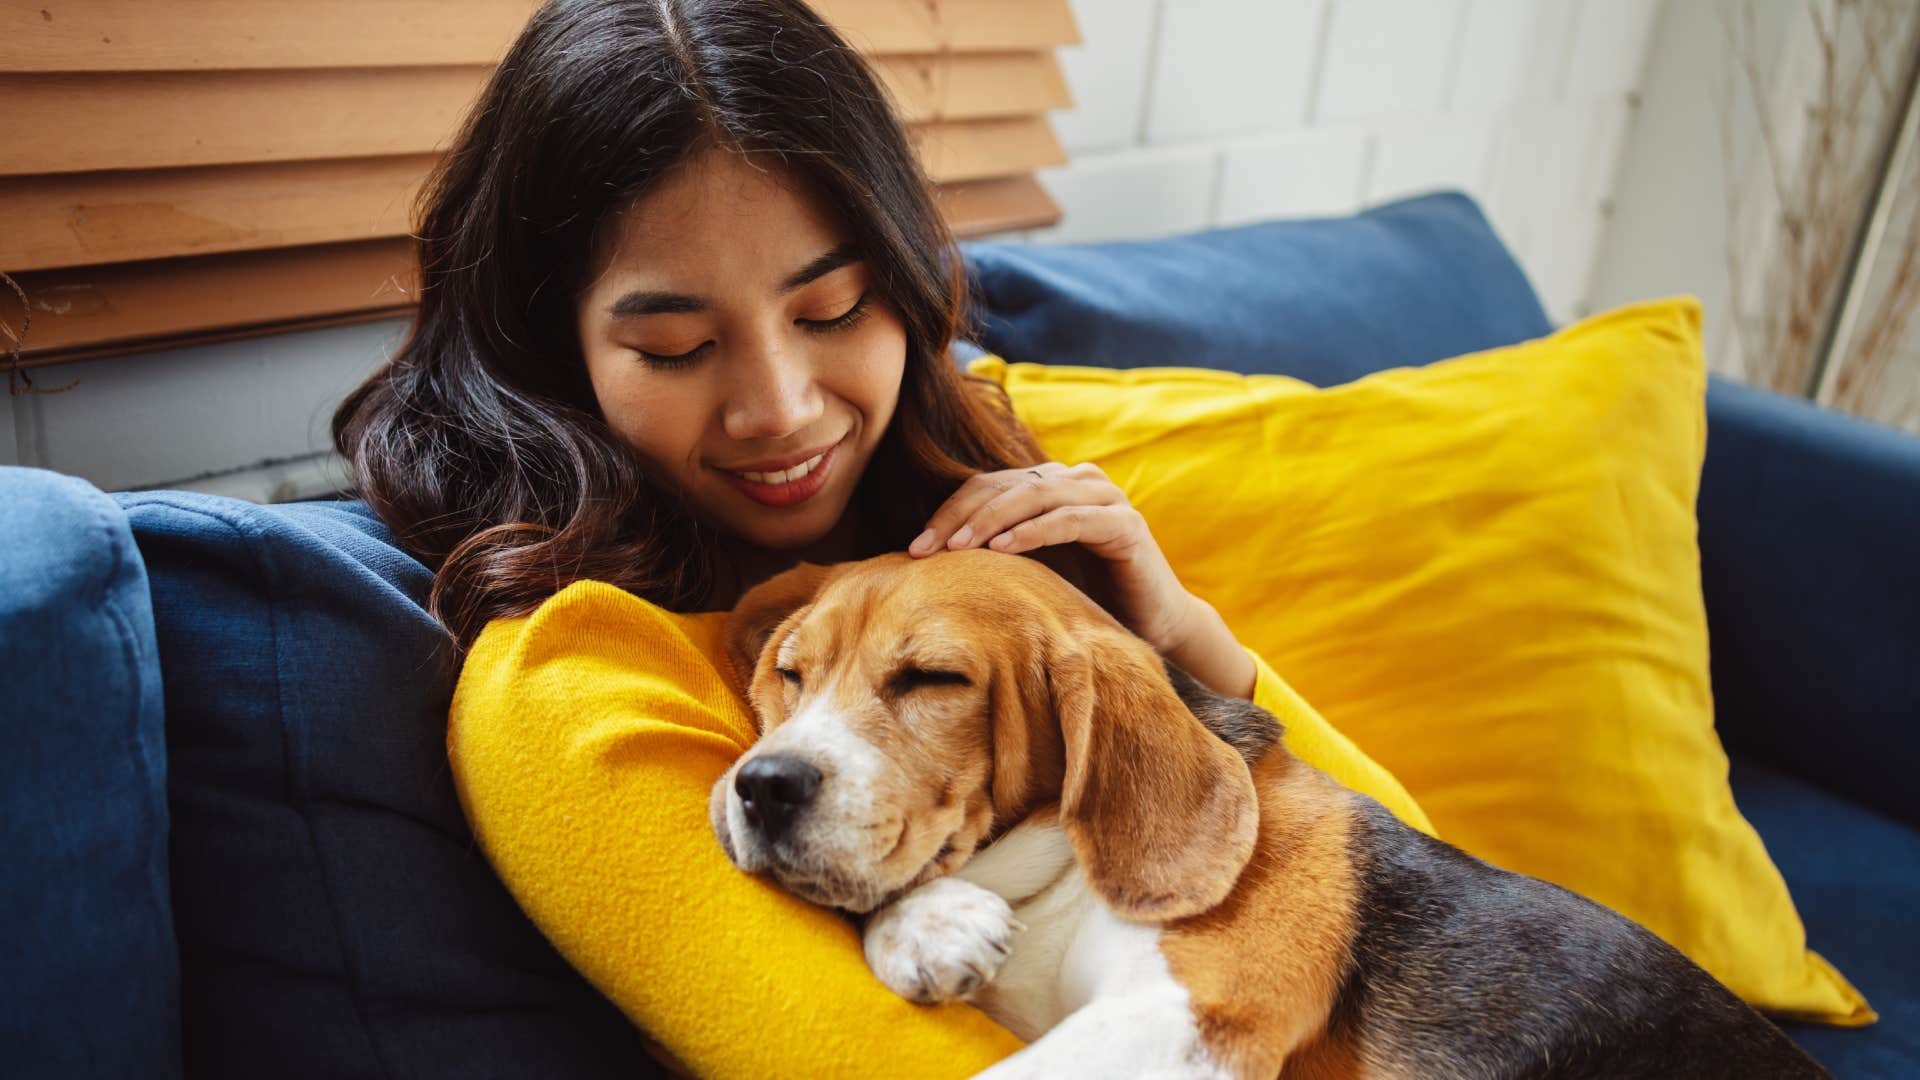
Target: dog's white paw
<point>940,942</point>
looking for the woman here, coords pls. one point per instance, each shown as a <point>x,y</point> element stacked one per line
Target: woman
<point>685,319</point>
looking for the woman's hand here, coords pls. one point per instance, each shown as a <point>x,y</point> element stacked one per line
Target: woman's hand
<point>1019,510</point>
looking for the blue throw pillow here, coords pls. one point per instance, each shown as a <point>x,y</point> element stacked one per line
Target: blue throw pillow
<point>89,977</point>
<point>1324,300</point>
<point>335,918</point>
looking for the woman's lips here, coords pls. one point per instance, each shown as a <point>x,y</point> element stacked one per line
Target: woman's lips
<point>797,484</point>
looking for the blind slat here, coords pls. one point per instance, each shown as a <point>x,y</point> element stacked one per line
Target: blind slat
<point>199,35</point>
<point>146,120</point>
<point>89,218</point>
<point>971,86</point>
<point>991,206</point>
<point>189,35</point>
<point>981,149</point>
<point>889,26</point>
<point>90,311</point>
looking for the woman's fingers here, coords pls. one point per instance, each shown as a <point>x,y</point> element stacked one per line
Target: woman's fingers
<point>1022,510</point>
<point>959,509</point>
<point>1024,503</point>
<point>1092,525</point>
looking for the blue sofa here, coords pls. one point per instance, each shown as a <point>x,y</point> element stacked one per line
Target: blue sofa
<point>234,849</point>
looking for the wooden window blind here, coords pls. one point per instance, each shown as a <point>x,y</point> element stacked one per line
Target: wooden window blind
<point>196,170</point>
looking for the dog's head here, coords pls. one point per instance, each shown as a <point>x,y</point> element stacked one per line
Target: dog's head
<point>909,709</point>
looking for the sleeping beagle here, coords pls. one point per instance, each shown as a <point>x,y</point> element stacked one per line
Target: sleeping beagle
<point>1132,873</point>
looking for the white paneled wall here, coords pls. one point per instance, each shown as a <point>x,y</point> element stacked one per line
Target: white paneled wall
<point>1198,113</point>
<point>1385,58</point>
<point>1191,114</point>
<point>1317,171</point>
<point>248,418</point>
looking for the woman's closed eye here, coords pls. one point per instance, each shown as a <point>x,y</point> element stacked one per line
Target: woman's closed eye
<point>676,360</point>
<point>846,320</point>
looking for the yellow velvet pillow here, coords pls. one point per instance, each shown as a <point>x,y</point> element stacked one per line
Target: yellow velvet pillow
<point>1485,572</point>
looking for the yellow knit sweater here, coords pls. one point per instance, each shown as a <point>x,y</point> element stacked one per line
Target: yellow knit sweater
<point>584,740</point>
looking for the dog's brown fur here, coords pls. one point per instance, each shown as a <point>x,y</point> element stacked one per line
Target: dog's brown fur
<point>1265,966</point>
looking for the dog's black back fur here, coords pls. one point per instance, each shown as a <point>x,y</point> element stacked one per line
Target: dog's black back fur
<point>1466,970</point>
<point>1239,723</point>
<point>1471,970</point>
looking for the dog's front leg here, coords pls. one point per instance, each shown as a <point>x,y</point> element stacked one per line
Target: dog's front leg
<point>1143,1033</point>
<point>940,942</point>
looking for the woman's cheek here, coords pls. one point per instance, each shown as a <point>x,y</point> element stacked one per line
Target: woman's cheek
<point>659,423</point>
<point>883,363</point>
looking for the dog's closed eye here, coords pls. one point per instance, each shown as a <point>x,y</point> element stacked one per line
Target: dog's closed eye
<point>910,678</point>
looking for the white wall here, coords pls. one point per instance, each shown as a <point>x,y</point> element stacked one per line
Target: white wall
<point>1191,113</point>
<point>1670,226</point>
<point>246,418</point>
<point>1198,113</point>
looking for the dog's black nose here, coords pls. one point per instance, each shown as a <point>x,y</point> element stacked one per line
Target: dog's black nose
<point>773,790</point>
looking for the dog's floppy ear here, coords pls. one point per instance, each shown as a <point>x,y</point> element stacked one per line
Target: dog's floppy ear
<point>761,611</point>
<point>1161,814</point>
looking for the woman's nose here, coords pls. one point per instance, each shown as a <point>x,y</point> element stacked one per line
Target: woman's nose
<point>775,395</point>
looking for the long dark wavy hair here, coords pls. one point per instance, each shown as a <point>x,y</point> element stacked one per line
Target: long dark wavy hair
<point>481,444</point>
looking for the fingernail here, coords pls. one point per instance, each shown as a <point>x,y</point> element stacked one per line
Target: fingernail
<point>962,538</point>
<point>922,543</point>
<point>1001,542</point>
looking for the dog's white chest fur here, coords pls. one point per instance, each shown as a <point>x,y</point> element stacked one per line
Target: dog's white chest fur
<point>1097,987</point>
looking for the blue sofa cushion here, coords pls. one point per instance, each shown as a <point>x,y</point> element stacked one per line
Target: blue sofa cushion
<point>1325,300</point>
<point>1855,875</point>
<point>334,916</point>
<point>1810,560</point>
<point>91,983</point>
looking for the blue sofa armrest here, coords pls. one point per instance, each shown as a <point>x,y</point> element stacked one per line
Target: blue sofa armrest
<point>1810,560</point>
<point>334,915</point>
<point>92,970</point>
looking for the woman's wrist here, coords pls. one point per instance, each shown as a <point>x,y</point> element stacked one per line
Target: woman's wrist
<point>1204,647</point>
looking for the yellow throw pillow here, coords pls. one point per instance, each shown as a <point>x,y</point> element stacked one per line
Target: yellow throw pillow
<point>1485,572</point>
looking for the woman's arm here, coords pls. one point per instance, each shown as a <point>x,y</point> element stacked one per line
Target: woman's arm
<point>1207,650</point>
<point>585,739</point>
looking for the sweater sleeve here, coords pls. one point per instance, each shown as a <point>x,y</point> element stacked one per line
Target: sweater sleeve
<point>584,740</point>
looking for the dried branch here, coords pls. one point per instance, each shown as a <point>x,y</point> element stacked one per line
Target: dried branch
<point>1821,175</point>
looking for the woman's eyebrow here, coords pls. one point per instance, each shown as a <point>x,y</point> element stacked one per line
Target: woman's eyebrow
<point>651,302</point>
<point>822,266</point>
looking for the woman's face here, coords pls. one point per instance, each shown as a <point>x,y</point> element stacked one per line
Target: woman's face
<point>735,342</point>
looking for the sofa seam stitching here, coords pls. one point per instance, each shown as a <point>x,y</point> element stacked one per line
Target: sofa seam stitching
<point>161,890</point>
